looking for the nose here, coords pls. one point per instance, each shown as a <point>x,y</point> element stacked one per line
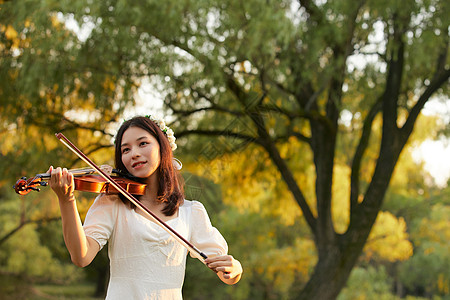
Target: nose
<point>135,153</point>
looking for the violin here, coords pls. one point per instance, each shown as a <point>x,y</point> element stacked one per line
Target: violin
<point>85,181</point>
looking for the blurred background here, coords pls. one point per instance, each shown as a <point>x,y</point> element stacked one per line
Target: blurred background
<point>315,132</point>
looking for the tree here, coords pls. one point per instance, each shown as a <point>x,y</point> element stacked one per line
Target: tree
<point>267,73</point>
<point>266,83</point>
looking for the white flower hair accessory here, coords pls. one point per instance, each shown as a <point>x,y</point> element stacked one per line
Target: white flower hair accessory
<point>166,129</point>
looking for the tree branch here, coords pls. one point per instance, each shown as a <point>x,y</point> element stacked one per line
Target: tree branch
<point>224,133</point>
<point>22,224</point>
<point>359,153</point>
<point>415,111</point>
<point>213,106</point>
<point>392,89</point>
<point>312,9</point>
<point>268,144</point>
<point>441,75</point>
<point>186,112</point>
<point>75,125</point>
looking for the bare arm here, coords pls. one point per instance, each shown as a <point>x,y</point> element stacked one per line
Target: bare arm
<point>82,249</point>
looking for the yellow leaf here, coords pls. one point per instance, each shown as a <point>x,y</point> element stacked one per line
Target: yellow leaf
<point>55,22</point>
<point>10,33</point>
<point>388,239</point>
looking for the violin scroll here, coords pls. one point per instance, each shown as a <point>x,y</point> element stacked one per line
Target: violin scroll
<point>24,186</point>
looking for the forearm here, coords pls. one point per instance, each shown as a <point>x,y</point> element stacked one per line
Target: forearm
<point>82,251</point>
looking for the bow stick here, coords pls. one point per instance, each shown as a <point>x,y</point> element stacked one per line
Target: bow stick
<point>196,252</point>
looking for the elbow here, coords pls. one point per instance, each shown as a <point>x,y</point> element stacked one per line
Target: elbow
<point>83,258</point>
<point>80,262</point>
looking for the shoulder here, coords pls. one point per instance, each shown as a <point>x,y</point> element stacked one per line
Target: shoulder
<point>104,199</point>
<point>196,210</point>
<point>198,213</point>
<point>194,205</point>
<point>105,203</point>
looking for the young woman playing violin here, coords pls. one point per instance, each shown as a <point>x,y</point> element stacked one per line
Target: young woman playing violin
<point>146,262</point>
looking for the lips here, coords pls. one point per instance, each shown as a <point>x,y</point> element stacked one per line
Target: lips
<point>138,164</point>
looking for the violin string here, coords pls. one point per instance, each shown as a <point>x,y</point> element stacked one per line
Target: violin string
<point>77,172</point>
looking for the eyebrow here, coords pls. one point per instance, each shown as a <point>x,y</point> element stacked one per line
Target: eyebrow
<point>138,139</point>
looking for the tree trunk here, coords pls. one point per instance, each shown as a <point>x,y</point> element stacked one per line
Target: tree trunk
<point>330,274</point>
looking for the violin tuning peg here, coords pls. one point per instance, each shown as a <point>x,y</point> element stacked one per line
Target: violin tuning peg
<point>34,189</point>
<point>43,183</point>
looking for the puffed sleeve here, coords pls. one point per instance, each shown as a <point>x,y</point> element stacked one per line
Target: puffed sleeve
<point>204,236</point>
<point>100,219</point>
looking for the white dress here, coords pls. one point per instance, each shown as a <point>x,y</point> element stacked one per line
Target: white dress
<point>147,262</point>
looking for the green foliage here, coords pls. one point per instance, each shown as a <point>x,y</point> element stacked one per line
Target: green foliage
<point>367,283</point>
<point>430,236</point>
<point>275,260</point>
<point>26,256</point>
<point>426,214</point>
<point>30,253</point>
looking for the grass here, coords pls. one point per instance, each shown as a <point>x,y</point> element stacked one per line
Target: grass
<point>81,291</point>
<point>75,291</point>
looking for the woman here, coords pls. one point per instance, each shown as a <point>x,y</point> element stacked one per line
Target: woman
<point>146,262</point>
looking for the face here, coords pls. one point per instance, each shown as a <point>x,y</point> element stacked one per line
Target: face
<point>140,152</point>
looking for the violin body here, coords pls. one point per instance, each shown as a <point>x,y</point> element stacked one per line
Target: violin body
<point>97,184</point>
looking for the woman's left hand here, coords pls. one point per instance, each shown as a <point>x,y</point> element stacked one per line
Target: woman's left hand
<point>228,269</point>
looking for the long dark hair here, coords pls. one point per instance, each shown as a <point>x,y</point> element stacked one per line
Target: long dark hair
<point>170,187</point>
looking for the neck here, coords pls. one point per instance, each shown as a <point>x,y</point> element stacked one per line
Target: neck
<point>151,192</point>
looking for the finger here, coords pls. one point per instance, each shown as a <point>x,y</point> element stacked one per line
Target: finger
<point>227,273</point>
<point>49,171</point>
<point>211,267</point>
<point>56,175</point>
<point>225,270</point>
<point>220,263</point>
<point>57,171</point>
<point>70,177</point>
<point>65,174</point>
<point>219,258</point>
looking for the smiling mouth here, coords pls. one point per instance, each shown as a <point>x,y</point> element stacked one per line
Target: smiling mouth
<point>138,164</point>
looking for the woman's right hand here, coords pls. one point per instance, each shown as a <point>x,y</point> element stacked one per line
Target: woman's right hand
<point>62,183</point>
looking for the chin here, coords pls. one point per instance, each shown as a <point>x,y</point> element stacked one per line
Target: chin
<point>143,175</point>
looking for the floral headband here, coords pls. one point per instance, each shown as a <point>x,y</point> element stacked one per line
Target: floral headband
<point>166,129</point>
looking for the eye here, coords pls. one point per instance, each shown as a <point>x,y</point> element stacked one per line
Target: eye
<point>125,150</point>
<point>143,143</point>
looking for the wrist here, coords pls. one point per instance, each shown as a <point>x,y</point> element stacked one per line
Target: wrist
<point>66,199</point>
